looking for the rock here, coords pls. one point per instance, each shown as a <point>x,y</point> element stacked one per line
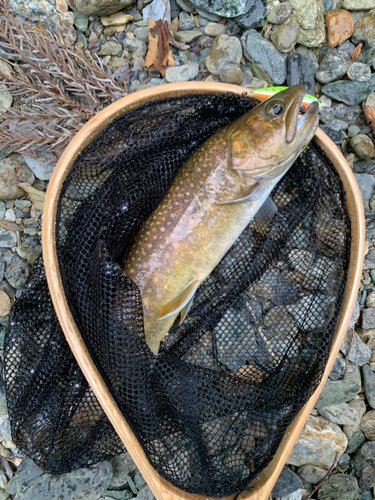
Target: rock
<point>339,487</point>
<point>334,65</point>
<point>340,27</point>
<point>280,13</point>
<point>368,318</point>
<point>310,16</point>
<point>365,28</point>
<point>255,11</point>
<point>101,7</point>
<point>359,72</point>
<point>187,36</point>
<point>17,272</point>
<point>215,29</point>
<point>208,15</point>
<point>318,443</point>
<point>349,92</point>
<point>81,20</point>
<point>340,391</point>
<point>135,46</point>
<point>300,71</point>
<point>355,442</point>
<point>364,465</point>
<point>145,494</point>
<point>117,19</point>
<point>336,137</point>
<point>363,146</point>
<point>9,189</point>
<point>224,8</point>
<point>6,98</point>
<point>285,36</point>
<point>225,52</point>
<point>341,414</point>
<point>266,56</point>
<point>8,239</point>
<point>311,473</point>
<point>349,114</point>
<point>369,385</point>
<point>338,125</point>
<point>318,306</point>
<point>365,166</point>
<point>307,54</point>
<point>43,166</point>
<point>182,73</point>
<point>232,75</point>
<point>288,482</point>
<point>338,368</point>
<point>5,304</point>
<point>353,130</point>
<point>367,425</point>
<point>187,23</point>
<point>186,5</point>
<point>359,352</point>
<point>122,466</point>
<point>360,6</point>
<point>110,48</point>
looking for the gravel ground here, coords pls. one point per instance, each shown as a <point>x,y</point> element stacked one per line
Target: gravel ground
<point>305,41</point>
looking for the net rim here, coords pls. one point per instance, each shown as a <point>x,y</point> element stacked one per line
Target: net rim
<point>262,486</point>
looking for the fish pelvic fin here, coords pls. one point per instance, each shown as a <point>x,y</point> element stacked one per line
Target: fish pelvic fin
<point>246,196</point>
<point>181,303</point>
<point>265,215</point>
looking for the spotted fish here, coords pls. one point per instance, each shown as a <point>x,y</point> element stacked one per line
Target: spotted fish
<point>213,197</point>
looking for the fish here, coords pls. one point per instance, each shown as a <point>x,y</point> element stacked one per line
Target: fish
<point>213,197</point>
<point>265,93</point>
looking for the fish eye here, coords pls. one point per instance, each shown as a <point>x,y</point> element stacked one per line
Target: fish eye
<point>276,109</point>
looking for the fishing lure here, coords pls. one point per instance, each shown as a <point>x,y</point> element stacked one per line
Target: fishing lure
<point>263,94</point>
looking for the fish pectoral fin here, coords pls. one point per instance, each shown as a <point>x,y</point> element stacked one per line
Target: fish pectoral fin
<point>186,309</point>
<point>181,303</point>
<point>265,215</point>
<point>245,196</point>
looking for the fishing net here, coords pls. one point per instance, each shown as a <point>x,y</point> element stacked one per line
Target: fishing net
<point>210,410</point>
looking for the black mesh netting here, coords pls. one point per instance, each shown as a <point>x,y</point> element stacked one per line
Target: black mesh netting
<point>211,409</point>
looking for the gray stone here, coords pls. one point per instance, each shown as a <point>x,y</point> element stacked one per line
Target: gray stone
<point>359,352</point>
<point>280,13</point>
<point>349,92</point>
<point>318,443</point>
<point>367,55</point>
<point>339,487</point>
<point>288,482</point>
<point>43,166</point>
<point>300,71</point>
<point>353,130</point>
<point>6,98</point>
<point>139,481</point>
<point>311,473</point>
<point>355,5</point>
<point>338,125</point>
<point>365,28</point>
<point>359,72</point>
<point>338,368</point>
<point>187,36</point>
<point>17,272</point>
<point>307,54</point>
<point>368,318</point>
<point>363,146</point>
<point>182,73</point>
<point>122,466</point>
<point>334,65</point>
<point>135,46</point>
<point>232,75</point>
<point>215,29</point>
<point>208,15</point>
<point>348,114</point>
<point>339,414</point>
<point>369,385</point>
<point>110,48</point>
<point>9,189</point>
<point>118,495</point>
<point>101,7</point>
<point>359,406</point>
<point>297,495</point>
<point>334,135</point>
<point>284,37</point>
<point>266,56</point>
<point>145,494</point>
<point>355,442</point>
<point>8,239</point>
<point>344,462</point>
<point>186,22</point>
<point>340,391</point>
<point>347,46</point>
<point>81,39</point>
<point>225,8</point>
<point>318,306</point>
<point>186,5</point>
<point>82,484</point>
<point>225,52</point>
<point>364,465</point>
<point>367,425</point>
<point>310,16</point>
<point>364,166</point>
<point>81,20</point>
<point>255,11</point>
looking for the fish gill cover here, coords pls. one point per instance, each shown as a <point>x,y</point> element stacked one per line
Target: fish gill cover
<point>211,409</point>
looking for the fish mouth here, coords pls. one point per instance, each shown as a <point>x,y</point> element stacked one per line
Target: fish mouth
<point>304,125</point>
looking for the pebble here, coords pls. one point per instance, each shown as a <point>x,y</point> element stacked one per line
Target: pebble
<point>311,473</point>
<point>81,20</point>
<point>280,13</point>
<point>369,385</point>
<point>355,442</point>
<point>232,75</point>
<point>340,391</point>
<point>300,71</point>
<point>110,48</point>
<point>288,482</point>
<point>122,466</point>
<point>318,443</point>
<point>336,137</point>
<point>5,304</point>
<point>186,5</point>
<point>145,494</point>
<point>310,16</point>
<point>285,36</point>
<point>340,27</point>
<point>182,73</point>
<point>339,414</point>
<point>214,29</point>
<point>187,36</point>
<point>186,22</point>
<point>100,8</point>
<point>349,92</point>
<point>338,125</point>
<point>17,272</point>
<point>338,368</point>
<point>367,425</point>
<point>334,65</point>
<point>359,72</point>
<point>8,239</point>
<point>355,5</point>
<point>117,19</point>
<point>368,318</point>
<point>9,189</point>
<point>225,52</point>
<point>254,15</point>
<point>353,130</point>
<point>364,465</point>
<point>365,28</point>
<point>266,56</point>
<point>359,352</point>
<point>318,306</point>
<point>363,147</point>
<point>339,487</point>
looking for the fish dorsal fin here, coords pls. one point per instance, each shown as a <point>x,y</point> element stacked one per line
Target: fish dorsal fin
<point>245,196</point>
<point>265,215</point>
<point>180,302</point>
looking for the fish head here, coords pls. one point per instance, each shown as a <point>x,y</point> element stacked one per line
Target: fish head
<point>265,141</point>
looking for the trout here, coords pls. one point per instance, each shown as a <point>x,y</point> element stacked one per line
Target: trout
<point>214,196</point>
